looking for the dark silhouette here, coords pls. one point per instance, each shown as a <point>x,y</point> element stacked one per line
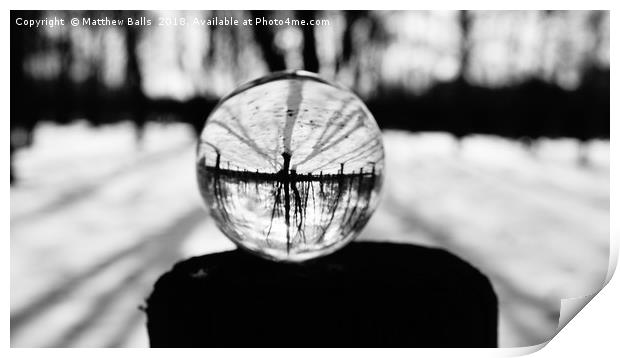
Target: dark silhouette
<point>366,295</point>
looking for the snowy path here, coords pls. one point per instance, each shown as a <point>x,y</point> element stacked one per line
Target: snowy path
<point>94,222</point>
<point>538,227</point>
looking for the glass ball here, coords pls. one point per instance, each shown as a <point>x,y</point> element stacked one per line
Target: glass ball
<point>290,166</point>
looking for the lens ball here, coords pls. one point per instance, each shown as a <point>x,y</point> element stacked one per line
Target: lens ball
<point>290,166</point>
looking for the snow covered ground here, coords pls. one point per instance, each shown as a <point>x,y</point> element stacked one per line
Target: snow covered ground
<point>95,219</point>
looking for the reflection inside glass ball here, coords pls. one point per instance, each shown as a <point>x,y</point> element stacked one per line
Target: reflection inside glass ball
<point>290,166</point>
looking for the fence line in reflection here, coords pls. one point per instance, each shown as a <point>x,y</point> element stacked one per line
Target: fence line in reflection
<point>309,205</point>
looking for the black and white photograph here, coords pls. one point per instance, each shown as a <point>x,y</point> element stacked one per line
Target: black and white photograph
<point>306,178</point>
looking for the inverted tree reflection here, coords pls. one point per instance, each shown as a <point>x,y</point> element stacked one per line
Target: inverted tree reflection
<point>307,209</point>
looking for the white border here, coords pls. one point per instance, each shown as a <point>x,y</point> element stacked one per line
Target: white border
<point>593,331</point>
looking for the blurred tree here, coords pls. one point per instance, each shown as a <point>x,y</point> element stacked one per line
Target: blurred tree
<point>264,35</point>
<point>22,111</point>
<point>461,91</point>
<point>351,17</point>
<point>311,61</point>
<point>593,110</point>
<point>54,77</point>
<point>133,78</point>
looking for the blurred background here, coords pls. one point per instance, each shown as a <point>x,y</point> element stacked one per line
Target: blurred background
<point>495,124</point>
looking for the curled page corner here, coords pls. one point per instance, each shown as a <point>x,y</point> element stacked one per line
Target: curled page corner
<point>570,307</point>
